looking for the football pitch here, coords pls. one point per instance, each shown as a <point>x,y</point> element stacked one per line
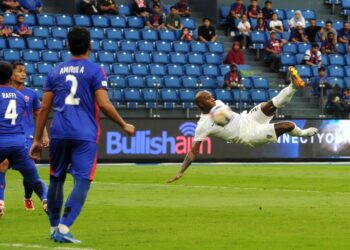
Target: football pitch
<point>212,207</point>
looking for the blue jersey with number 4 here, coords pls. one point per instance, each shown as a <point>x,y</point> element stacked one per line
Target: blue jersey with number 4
<point>76,113</point>
<point>12,109</point>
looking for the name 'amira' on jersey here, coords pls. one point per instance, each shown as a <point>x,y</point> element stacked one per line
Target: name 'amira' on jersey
<point>72,70</point>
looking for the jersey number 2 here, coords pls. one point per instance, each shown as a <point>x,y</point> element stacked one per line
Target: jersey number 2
<point>70,99</point>
<point>11,112</point>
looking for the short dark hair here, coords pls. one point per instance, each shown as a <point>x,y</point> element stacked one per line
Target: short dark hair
<point>156,5</point>
<point>330,33</point>
<point>313,19</point>
<point>329,21</point>
<point>322,68</point>
<point>266,2</point>
<point>20,15</point>
<point>172,7</point>
<point>16,64</point>
<point>314,45</point>
<point>79,40</point>
<point>5,72</point>
<point>206,19</point>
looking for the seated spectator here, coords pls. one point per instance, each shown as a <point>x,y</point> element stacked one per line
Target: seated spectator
<point>11,6</point>
<point>107,7</point>
<point>155,20</point>
<point>173,21</point>
<point>244,30</point>
<point>236,11</point>
<point>206,32</point>
<point>88,7</point>
<point>346,96</point>
<point>267,11</point>
<point>235,55</point>
<point>312,31</point>
<point>182,8</point>
<point>274,49</point>
<point>329,45</point>
<point>298,34</point>
<point>313,56</point>
<point>31,6</point>
<point>275,24</point>
<point>140,8</point>
<point>186,35</point>
<point>320,82</point>
<point>297,19</point>
<point>344,33</point>
<point>328,28</point>
<point>233,79</point>
<point>335,103</point>
<point>4,30</point>
<point>254,11</point>
<point>261,25</point>
<point>22,29</point>
<point>162,6</point>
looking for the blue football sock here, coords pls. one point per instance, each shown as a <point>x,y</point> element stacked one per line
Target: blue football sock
<point>28,189</point>
<point>75,202</point>
<point>55,200</point>
<point>2,186</point>
<point>40,189</point>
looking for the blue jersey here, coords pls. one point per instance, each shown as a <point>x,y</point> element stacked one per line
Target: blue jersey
<point>12,109</point>
<point>33,104</point>
<point>76,113</point>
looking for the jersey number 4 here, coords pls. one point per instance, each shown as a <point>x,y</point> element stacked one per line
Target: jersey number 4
<point>71,99</point>
<point>11,112</point>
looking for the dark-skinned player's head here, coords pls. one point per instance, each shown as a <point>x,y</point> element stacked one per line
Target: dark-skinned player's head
<point>5,73</point>
<point>205,101</point>
<point>79,41</point>
<point>19,74</point>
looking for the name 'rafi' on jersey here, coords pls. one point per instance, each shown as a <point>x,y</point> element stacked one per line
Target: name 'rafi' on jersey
<point>72,70</point>
<point>8,95</point>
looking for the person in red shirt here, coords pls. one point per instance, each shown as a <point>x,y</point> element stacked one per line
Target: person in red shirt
<point>235,55</point>
<point>233,79</point>
<point>186,35</point>
<point>274,48</point>
<point>254,11</point>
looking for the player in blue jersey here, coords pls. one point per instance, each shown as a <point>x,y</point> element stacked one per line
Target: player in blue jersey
<point>76,90</point>
<point>12,137</point>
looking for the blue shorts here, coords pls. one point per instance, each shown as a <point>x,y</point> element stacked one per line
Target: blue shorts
<point>29,142</point>
<point>77,157</point>
<point>18,158</point>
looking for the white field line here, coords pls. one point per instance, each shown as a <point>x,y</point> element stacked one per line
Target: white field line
<point>29,246</point>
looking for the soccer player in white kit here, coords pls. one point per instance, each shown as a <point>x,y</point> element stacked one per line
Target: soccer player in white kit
<point>251,128</point>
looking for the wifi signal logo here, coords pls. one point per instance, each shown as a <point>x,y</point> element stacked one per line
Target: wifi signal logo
<point>188,129</point>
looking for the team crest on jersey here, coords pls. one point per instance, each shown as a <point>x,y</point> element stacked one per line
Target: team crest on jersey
<point>26,98</point>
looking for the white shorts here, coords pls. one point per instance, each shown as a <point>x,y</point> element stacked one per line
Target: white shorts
<point>256,129</point>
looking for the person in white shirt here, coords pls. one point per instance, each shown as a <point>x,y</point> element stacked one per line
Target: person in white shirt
<point>275,24</point>
<point>244,28</point>
<point>251,128</point>
<point>298,18</point>
<point>313,56</point>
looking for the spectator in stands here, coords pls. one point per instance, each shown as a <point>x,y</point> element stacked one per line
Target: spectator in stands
<point>267,11</point>
<point>4,30</point>
<point>335,102</point>
<point>244,30</point>
<point>344,33</point>
<point>312,31</point>
<point>298,34</point>
<point>329,45</point>
<point>320,82</point>
<point>161,5</point>
<point>254,11</point>
<point>140,8</point>
<point>173,21</point>
<point>328,28</point>
<point>261,25</point>
<point>107,7</point>
<point>297,19</point>
<point>233,79</point>
<point>186,35</point>
<point>275,24</point>
<point>11,6</point>
<point>236,11</point>
<point>183,8</point>
<point>274,49</point>
<point>22,29</point>
<point>346,97</point>
<point>206,32</point>
<point>88,7</point>
<point>155,20</point>
<point>31,6</point>
<point>235,55</point>
<point>313,56</point>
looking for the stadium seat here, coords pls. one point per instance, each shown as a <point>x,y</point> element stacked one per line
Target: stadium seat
<point>347,82</point>
<point>325,60</point>
<point>341,48</point>
<point>135,82</point>
<point>100,21</point>
<point>95,45</point>
<point>39,80</point>
<point>299,58</point>
<point>160,57</point>
<point>336,81</point>
<point>172,82</point>
<point>220,81</point>
<point>132,98</point>
<point>198,47</point>
<point>132,34</point>
<point>124,10</point>
<point>114,34</point>
<point>3,43</point>
<point>224,95</point>
<point>65,55</point>
<point>124,57</point>
<point>139,69</point>
<point>212,58</point>
<point>97,33</point>
<point>336,60</point>
<point>181,47</point>
<point>208,82</point>
<point>118,22</point>
<point>336,71</point>
<point>11,55</point>
<point>287,60</point>
<point>224,69</point>
<point>45,20</point>
<point>216,47</point>
<point>281,14</point>
<point>163,46</point>
<point>149,35</point>
<point>58,32</point>
<point>30,68</point>
<point>210,70</point>
<point>303,47</point>
<point>190,82</point>
<point>41,32</point>
<point>290,48</point>
<point>105,67</point>
<point>118,97</point>
<point>241,96</point>
<point>128,46</point>
<point>169,97</point>
<point>10,19</point>
<point>304,71</point>
<point>320,23</point>
<point>247,82</point>
<point>188,23</point>
<point>347,71</point>
<point>289,14</point>
<point>150,97</point>
<point>258,96</point>
<point>16,43</point>
<point>175,70</point>
<point>309,14</point>
<point>167,35</point>
<point>154,81</point>
<point>347,59</point>
<point>44,68</point>
<point>64,20</point>
<point>110,45</point>
<point>145,46</point>
<point>272,93</point>
<point>121,69</point>
<point>50,56</point>
<point>30,19</point>
<point>286,35</point>
<point>106,57</point>
<point>82,20</point>
<point>193,70</point>
<point>178,58</point>
<point>224,11</point>
<point>35,43</point>
<point>93,58</point>
<point>260,82</point>
<point>337,25</point>
<point>55,44</point>
<point>157,70</point>
<point>314,70</point>
<point>257,39</point>
<point>142,57</point>
<point>187,98</point>
<point>135,22</point>
<point>195,58</point>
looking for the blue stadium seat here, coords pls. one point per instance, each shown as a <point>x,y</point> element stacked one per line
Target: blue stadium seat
<point>347,71</point>
<point>325,60</point>
<point>286,24</point>
<point>39,93</point>
<point>224,95</point>
<point>65,55</point>
<point>341,48</point>
<point>44,68</point>
<point>117,81</point>
<point>347,82</point>
<point>124,10</point>
<point>281,14</point>
<point>336,71</point>
<point>212,58</point>
<point>187,98</point>
<point>175,70</point>
<point>106,57</point>
<point>45,20</point>
<point>299,58</point>
<point>216,47</point>
<point>142,57</point>
<point>314,70</point>
<point>172,82</point>
<point>320,23</point>
<point>139,69</point>
<point>198,47</point>
<point>118,97</point>
<point>135,82</point>
<point>35,43</point>
<point>55,44</point>
<point>118,22</point>
<point>114,34</point>
<point>30,19</point>
<point>110,45</point>
<point>97,33</point>
<point>11,55</point>
<point>150,96</point>
<point>169,97</point>
<point>167,35</point>
<point>287,60</point>
<point>121,69</point>
<point>247,82</point>
<point>124,57</point>
<point>157,70</point>
<point>31,56</point>
<point>3,43</point>
<point>337,25</point>
<point>224,11</point>
<point>241,95</point>
<point>309,14</point>
<point>132,34</point>
<point>260,82</point>
<point>257,39</point>
<point>336,81</point>
<point>290,14</point>
<point>181,47</point>
<point>82,20</point>
<point>105,67</point>
<point>129,46</point>
<point>39,80</point>
<point>188,23</point>
<point>154,81</point>
<point>347,59</point>
<point>304,71</point>
<point>95,45</point>
<point>30,68</point>
<point>132,97</point>
<point>160,57</point>
<point>163,46</point>
<point>178,58</point>
<point>210,70</point>
<point>41,32</point>
<point>135,22</point>
<point>193,70</point>
<point>336,60</point>
<point>258,96</point>
<point>93,58</point>
<point>272,93</point>
<point>64,20</point>
<point>50,56</point>
<point>145,46</point>
<point>303,47</point>
<point>149,35</point>
<point>195,58</point>
<point>208,82</point>
<point>286,35</point>
<point>190,82</point>
<point>290,48</point>
<point>58,32</point>
<point>10,19</point>
<point>224,69</point>
<point>16,43</point>
<point>100,21</point>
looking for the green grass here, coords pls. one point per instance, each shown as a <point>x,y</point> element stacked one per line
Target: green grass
<point>212,207</point>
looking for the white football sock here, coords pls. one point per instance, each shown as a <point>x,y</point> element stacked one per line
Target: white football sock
<point>63,229</point>
<point>284,97</point>
<point>52,229</point>
<point>298,132</point>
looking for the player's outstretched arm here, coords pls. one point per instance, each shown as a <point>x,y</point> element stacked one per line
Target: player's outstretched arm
<point>190,157</point>
<point>46,139</point>
<point>101,97</point>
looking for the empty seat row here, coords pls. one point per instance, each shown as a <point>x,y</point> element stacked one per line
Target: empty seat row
<point>307,72</point>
